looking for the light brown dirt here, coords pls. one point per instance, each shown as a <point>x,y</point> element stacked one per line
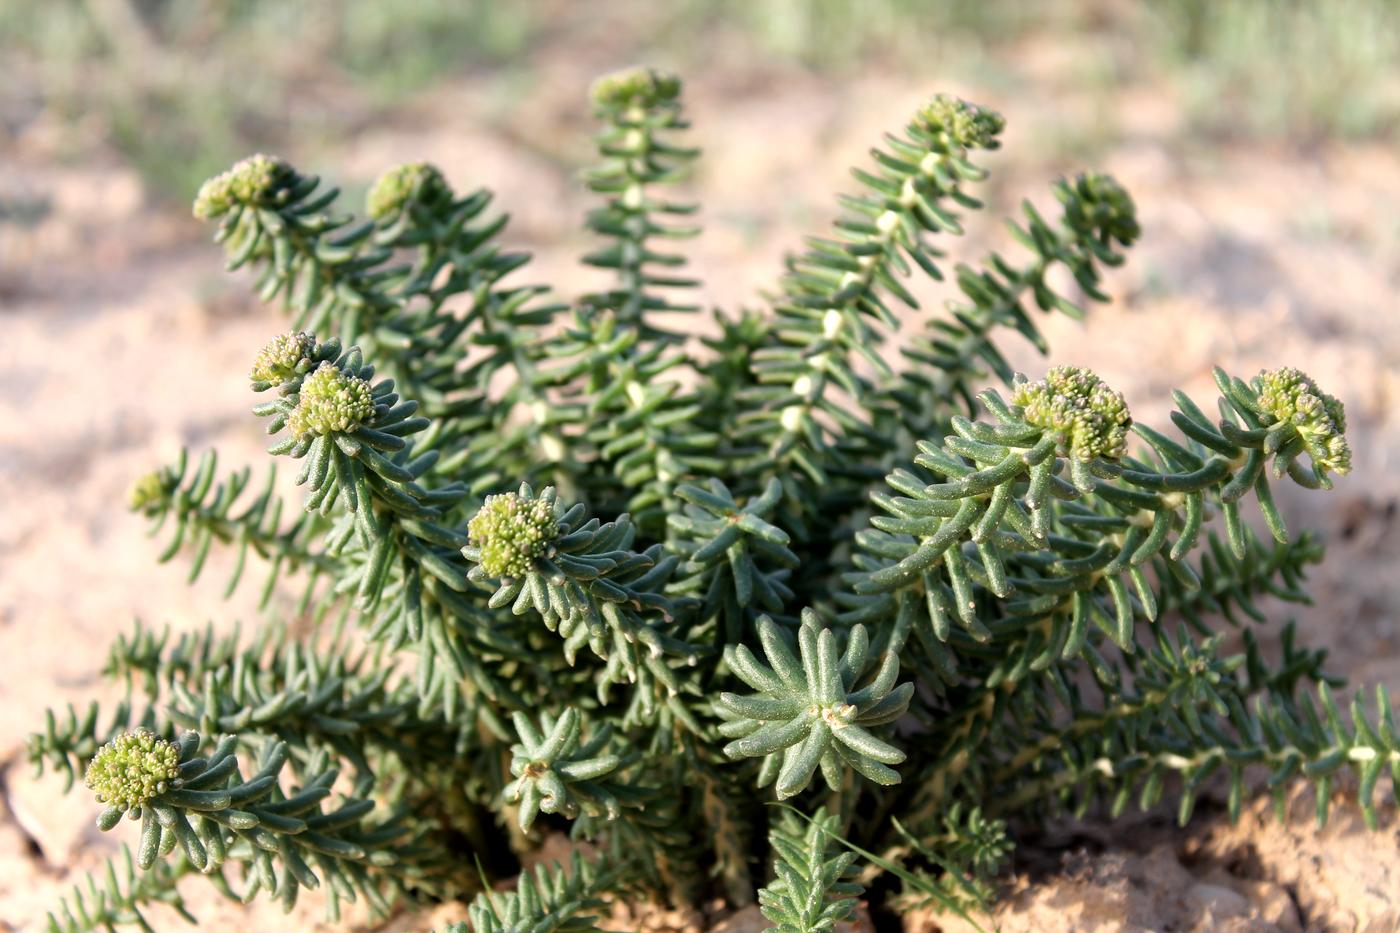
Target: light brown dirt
<point>122,341</point>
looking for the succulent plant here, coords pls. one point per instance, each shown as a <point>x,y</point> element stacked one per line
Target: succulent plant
<point>779,592</point>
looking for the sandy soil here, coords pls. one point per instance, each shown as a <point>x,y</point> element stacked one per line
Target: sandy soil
<point>122,341</point>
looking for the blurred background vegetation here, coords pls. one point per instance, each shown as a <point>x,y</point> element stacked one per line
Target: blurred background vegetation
<point>179,89</point>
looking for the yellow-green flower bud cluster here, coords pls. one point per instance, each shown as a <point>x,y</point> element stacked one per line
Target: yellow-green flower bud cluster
<point>283,358</point>
<point>248,182</point>
<point>133,768</point>
<point>511,531</point>
<point>1290,395</point>
<point>148,490</point>
<point>331,402</point>
<point>1097,203</point>
<point>1092,418</point>
<point>636,87</point>
<point>403,184</point>
<point>962,125</point>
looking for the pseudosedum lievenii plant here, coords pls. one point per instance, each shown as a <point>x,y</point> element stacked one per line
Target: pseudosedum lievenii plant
<point>776,613</point>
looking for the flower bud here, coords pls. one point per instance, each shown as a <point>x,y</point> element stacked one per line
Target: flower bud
<point>331,402</point>
<point>1289,395</point>
<point>511,531</point>
<point>1092,418</point>
<point>401,186</point>
<point>133,768</point>
<point>282,359</point>
<point>636,87</point>
<point>962,125</point>
<point>1095,204</point>
<point>250,182</point>
<point>148,490</point>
